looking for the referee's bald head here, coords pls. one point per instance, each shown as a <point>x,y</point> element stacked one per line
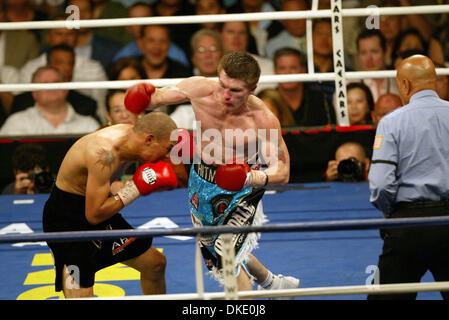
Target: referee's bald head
<point>414,74</point>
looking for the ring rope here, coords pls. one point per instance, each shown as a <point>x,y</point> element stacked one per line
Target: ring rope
<point>304,292</point>
<point>359,224</point>
<point>310,64</point>
<point>117,84</point>
<point>199,270</point>
<point>192,19</point>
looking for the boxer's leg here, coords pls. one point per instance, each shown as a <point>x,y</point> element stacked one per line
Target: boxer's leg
<point>257,269</point>
<point>151,265</point>
<point>266,279</point>
<point>72,289</point>
<point>244,281</point>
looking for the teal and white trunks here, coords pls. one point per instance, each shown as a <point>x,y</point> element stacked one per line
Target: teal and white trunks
<point>212,206</point>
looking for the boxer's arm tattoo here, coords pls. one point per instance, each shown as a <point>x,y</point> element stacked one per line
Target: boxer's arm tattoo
<point>105,157</point>
<point>281,154</point>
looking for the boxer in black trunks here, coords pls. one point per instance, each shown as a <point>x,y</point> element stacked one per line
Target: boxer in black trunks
<point>80,200</point>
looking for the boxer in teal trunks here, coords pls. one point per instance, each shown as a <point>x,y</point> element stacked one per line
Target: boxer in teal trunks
<point>211,205</point>
<point>222,191</point>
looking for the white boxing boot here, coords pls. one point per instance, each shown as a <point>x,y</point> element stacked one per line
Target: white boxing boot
<point>280,282</point>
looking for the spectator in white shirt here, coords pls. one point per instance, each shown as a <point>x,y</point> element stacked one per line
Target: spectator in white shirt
<point>207,50</point>
<point>85,69</point>
<point>51,114</point>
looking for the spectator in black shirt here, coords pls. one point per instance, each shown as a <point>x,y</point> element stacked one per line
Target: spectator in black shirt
<point>154,44</point>
<point>89,43</point>
<point>308,106</point>
<point>323,58</point>
<point>3,114</point>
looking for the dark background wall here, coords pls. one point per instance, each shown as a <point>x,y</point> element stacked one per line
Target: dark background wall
<point>310,150</point>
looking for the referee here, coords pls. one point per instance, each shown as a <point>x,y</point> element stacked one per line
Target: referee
<point>409,177</point>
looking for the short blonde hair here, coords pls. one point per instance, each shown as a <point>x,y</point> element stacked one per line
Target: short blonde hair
<point>158,123</point>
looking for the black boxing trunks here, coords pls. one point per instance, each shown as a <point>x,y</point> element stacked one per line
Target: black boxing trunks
<point>65,211</point>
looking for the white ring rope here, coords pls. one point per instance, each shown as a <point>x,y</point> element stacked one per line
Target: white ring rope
<point>117,84</point>
<point>305,292</point>
<point>311,14</point>
<point>199,269</point>
<point>189,19</point>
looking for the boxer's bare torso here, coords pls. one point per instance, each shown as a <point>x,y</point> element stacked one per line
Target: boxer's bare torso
<point>96,154</point>
<point>89,164</point>
<point>226,106</point>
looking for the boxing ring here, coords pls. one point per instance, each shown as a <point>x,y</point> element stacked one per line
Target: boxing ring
<point>326,234</point>
<point>334,252</point>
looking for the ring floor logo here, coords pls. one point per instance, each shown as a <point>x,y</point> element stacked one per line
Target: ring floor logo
<point>38,283</point>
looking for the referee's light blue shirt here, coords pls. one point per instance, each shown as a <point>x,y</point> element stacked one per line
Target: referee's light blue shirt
<point>410,159</point>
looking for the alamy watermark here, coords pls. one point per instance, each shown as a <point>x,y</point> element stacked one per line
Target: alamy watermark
<point>73,20</point>
<point>373,280</point>
<point>252,146</point>
<point>373,20</point>
<point>73,278</point>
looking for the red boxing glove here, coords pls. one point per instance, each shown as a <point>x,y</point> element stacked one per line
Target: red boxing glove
<point>148,177</point>
<point>233,177</point>
<point>138,97</point>
<point>154,176</point>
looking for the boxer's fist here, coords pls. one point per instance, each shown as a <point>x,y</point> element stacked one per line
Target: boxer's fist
<point>148,178</point>
<point>233,177</point>
<point>154,176</point>
<point>138,97</point>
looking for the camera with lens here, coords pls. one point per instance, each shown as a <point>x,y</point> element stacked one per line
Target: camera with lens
<point>43,180</point>
<point>350,170</point>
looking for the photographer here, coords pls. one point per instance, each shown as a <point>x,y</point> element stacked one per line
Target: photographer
<point>350,165</point>
<point>31,170</point>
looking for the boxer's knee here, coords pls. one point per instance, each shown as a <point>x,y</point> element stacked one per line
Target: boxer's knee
<point>160,262</point>
<point>148,263</point>
<point>155,262</point>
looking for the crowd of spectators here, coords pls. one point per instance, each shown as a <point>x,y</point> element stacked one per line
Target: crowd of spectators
<point>172,51</point>
<point>178,51</point>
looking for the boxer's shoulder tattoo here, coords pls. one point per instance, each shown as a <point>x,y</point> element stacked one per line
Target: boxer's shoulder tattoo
<point>105,157</point>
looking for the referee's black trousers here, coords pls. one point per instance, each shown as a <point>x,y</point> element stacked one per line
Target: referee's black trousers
<point>408,253</point>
